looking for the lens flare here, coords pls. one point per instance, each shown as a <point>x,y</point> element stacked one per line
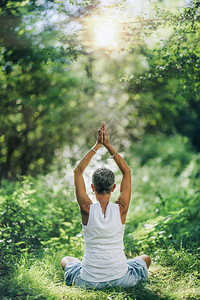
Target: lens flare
<point>105,34</point>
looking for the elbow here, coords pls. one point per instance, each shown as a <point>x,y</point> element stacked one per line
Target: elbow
<point>78,170</point>
<point>127,171</point>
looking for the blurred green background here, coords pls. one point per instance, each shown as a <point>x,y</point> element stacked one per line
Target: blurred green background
<point>66,66</point>
<point>56,88</point>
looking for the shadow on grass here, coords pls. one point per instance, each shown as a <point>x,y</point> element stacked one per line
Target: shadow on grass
<point>141,291</point>
<point>137,293</point>
<point>11,290</point>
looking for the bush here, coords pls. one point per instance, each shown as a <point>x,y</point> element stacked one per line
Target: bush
<point>30,222</point>
<point>172,231</point>
<point>175,151</point>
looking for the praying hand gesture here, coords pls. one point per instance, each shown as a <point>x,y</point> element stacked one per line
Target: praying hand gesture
<point>102,135</point>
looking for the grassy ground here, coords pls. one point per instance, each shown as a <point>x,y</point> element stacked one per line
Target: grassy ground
<point>43,279</point>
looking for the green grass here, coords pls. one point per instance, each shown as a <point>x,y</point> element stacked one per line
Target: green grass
<point>43,279</point>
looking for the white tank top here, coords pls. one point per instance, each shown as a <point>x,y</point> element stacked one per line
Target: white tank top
<point>104,258</point>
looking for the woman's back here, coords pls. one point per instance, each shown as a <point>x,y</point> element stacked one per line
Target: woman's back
<point>104,258</point>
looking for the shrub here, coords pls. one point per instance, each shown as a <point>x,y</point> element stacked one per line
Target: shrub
<point>30,222</point>
<point>175,151</point>
<point>172,231</point>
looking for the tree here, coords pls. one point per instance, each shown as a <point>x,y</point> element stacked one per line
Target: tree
<point>36,88</point>
<point>169,89</point>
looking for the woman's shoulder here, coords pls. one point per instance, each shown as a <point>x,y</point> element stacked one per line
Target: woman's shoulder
<point>114,205</point>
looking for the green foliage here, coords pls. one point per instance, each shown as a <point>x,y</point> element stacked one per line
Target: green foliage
<point>169,87</point>
<point>175,151</point>
<point>47,92</point>
<point>30,223</point>
<point>173,231</point>
<point>19,221</point>
<point>166,196</point>
<point>36,89</point>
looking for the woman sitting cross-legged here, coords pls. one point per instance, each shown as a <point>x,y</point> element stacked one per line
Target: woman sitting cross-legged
<point>104,263</point>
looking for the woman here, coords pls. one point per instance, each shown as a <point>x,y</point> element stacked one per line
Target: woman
<point>104,263</point>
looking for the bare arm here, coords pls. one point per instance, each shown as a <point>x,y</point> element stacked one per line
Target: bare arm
<point>125,186</point>
<point>80,190</point>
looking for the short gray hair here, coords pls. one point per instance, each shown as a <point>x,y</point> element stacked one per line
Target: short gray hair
<point>103,180</point>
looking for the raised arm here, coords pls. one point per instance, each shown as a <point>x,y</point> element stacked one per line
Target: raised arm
<point>125,186</point>
<point>80,190</point>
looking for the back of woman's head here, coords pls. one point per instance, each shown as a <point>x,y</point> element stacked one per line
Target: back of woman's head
<point>103,180</point>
